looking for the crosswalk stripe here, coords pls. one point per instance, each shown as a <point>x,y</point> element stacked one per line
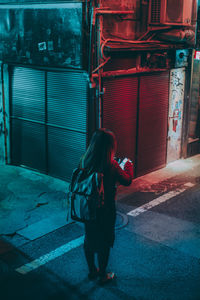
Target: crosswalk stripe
<point>79,241</point>
<point>159,200</point>
<point>50,256</point>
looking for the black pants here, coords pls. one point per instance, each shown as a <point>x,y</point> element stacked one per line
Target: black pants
<point>102,256</point>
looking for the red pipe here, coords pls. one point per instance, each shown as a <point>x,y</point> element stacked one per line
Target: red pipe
<point>127,72</point>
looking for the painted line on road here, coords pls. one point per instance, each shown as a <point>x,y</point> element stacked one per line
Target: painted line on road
<point>159,200</point>
<point>50,256</point>
<point>79,241</point>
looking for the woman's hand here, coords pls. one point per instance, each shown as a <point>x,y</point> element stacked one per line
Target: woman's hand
<point>128,167</point>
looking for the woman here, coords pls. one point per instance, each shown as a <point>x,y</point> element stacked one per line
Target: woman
<point>100,234</point>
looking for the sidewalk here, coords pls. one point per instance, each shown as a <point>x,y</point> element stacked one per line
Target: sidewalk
<point>160,181</point>
<point>33,204</point>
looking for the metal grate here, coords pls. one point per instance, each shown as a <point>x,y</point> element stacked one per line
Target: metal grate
<point>155,11</point>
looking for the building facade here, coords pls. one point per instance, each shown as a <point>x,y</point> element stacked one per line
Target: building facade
<point>70,67</point>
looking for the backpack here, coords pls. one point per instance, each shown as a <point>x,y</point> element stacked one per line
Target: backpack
<point>86,195</point>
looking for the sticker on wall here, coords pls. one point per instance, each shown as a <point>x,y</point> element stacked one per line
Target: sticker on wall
<point>42,46</point>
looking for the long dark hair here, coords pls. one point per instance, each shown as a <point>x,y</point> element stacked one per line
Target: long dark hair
<point>98,154</point>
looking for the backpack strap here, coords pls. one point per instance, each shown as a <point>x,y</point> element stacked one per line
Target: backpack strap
<point>99,183</point>
<point>74,178</point>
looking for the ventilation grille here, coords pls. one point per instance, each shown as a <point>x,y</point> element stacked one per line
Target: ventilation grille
<point>155,11</point>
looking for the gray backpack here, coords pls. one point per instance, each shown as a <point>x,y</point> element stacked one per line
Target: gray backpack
<point>86,195</point>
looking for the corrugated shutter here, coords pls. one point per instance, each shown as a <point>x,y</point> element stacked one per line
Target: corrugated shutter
<point>153,114</point>
<point>28,146</point>
<point>67,121</point>
<point>64,151</point>
<point>48,119</point>
<point>120,112</point>
<point>28,117</point>
<point>28,99</point>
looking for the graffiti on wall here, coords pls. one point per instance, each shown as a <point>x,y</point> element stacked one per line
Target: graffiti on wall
<point>176,101</point>
<point>176,117</point>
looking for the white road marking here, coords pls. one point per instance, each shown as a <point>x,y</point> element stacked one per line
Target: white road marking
<point>189,184</point>
<point>158,200</point>
<point>79,241</point>
<point>50,256</point>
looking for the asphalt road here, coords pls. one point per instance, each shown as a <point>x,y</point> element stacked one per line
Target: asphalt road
<point>156,255</point>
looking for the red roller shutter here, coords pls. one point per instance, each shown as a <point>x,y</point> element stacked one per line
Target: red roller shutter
<point>153,114</point>
<point>120,112</point>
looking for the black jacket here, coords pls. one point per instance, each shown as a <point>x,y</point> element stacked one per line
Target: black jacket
<point>101,233</point>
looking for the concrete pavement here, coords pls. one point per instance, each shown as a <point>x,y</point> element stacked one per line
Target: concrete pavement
<point>33,204</point>
<point>156,254</point>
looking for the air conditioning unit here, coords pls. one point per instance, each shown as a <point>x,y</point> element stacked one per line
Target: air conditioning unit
<point>170,12</point>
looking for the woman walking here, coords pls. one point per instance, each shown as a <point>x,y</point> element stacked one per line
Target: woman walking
<point>100,234</point>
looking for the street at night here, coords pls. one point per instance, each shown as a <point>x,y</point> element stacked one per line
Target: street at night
<point>100,149</point>
<point>155,256</point>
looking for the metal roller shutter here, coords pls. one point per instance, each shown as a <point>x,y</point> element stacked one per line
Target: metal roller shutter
<point>27,118</point>
<point>48,119</point>
<point>66,120</point>
<point>120,112</point>
<point>64,151</point>
<point>28,147</point>
<point>153,116</point>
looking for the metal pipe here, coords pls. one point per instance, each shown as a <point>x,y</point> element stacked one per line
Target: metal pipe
<point>99,32</point>
<point>90,59</point>
<point>127,72</point>
<point>187,105</point>
<point>101,65</point>
<point>4,116</point>
<point>113,12</point>
<point>100,100</point>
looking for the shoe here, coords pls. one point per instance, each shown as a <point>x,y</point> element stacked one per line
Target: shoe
<point>107,278</point>
<point>93,275</point>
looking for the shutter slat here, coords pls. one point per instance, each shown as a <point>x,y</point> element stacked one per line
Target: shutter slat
<point>50,140</point>
<point>27,144</point>
<point>28,99</point>
<point>153,116</point>
<point>119,113</point>
<point>67,98</point>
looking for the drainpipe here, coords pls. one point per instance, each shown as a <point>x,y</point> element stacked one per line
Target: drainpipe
<point>4,117</point>
<point>187,104</point>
